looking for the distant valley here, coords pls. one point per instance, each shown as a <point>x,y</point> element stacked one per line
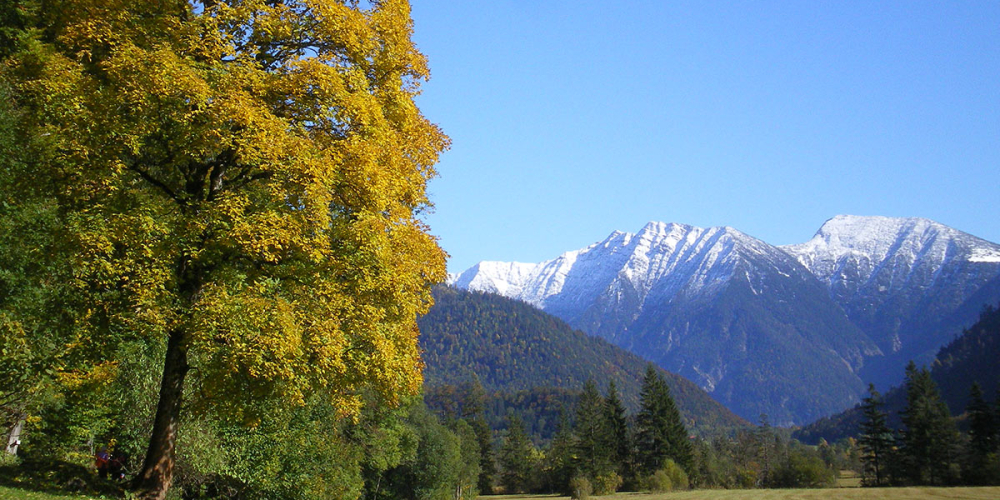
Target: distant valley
<point>794,332</point>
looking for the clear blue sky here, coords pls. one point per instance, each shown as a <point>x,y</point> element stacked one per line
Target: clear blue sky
<point>570,119</point>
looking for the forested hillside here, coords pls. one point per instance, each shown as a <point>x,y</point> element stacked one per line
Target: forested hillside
<point>970,358</point>
<point>512,347</point>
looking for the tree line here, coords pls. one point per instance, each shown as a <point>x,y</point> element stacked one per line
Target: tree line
<point>929,449</point>
<point>599,448</point>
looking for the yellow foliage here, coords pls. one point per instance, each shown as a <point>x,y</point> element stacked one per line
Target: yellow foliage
<point>246,175</point>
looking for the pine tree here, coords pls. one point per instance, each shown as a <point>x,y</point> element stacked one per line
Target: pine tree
<point>487,456</point>
<point>561,460</point>
<point>618,431</point>
<point>767,449</point>
<point>516,458</point>
<point>593,446</point>
<point>929,436</point>
<point>876,439</point>
<point>980,462</point>
<point>660,432</point>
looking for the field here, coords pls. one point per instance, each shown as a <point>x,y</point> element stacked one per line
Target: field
<point>992,493</point>
<point>19,494</point>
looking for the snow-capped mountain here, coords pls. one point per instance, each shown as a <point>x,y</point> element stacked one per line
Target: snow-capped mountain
<point>793,332</point>
<point>619,267</point>
<point>911,284</point>
<point>720,307</point>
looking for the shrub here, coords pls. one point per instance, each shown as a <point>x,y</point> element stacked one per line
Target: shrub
<point>607,484</point>
<point>670,477</point>
<point>659,482</point>
<point>678,478</point>
<point>580,488</point>
<point>802,470</point>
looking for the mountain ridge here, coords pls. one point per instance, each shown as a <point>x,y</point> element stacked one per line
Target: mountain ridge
<point>716,304</point>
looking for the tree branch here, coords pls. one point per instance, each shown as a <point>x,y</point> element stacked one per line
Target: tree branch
<point>155,182</point>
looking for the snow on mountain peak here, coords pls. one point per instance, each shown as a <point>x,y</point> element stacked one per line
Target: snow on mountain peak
<point>868,245</point>
<point>503,278</point>
<point>662,258</point>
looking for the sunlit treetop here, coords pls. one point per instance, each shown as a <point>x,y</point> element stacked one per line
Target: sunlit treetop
<point>243,178</point>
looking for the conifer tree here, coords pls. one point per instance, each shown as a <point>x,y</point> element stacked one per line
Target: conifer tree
<point>981,459</point>
<point>516,457</point>
<point>618,432</point>
<point>593,441</point>
<point>560,460</point>
<point>767,448</point>
<point>660,432</point>
<point>876,439</point>
<point>929,434</point>
<point>487,456</point>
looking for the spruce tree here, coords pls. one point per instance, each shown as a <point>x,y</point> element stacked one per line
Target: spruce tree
<point>474,406</point>
<point>487,456</point>
<point>876,439</point>
<point>516,458</point>
<point>560,460</point>
<point>981,458</point>
<point>618,431</point>
<point>929,434</point>
<point>660,432</point>
<point>593,445</point>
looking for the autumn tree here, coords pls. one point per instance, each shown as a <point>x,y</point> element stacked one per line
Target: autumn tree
<point>237,181</point>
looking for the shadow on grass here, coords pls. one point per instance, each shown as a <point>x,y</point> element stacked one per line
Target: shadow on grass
<point>55,477</point>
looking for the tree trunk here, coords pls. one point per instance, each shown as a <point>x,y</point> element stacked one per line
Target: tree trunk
<point>14,439</point>
<point>157,471</point>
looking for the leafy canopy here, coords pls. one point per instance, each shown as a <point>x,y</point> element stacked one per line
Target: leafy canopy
<point>246,176</point>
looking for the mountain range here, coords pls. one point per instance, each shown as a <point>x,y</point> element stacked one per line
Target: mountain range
<point>794,332</point>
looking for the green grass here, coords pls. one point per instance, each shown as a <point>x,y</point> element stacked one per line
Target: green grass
<point>50,480</point>
<point>989,493</point>
<point>19,494</point>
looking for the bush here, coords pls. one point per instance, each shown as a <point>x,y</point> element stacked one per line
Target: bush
<point>803,470</point>
<point>659,482</point>
<point>670,477</point>
<point>607,484</point>
<point>580,488</point>
<point>678,477</point>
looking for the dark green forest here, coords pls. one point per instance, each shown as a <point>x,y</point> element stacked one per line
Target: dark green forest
<point>521,355</point>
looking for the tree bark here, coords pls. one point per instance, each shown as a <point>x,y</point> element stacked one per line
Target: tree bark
<point>157,472</point>
<point>14,439</point>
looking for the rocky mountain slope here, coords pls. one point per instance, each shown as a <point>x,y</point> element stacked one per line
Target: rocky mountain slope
<point>910,284</point>
<point>794,332</point>
<point>970,358</point>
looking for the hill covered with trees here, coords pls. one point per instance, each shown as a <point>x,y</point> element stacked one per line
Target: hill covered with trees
<point>970,358</point>
<point>518,352</point>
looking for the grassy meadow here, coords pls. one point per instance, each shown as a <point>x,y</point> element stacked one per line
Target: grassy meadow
<point>918,493</point>
<point>7,493</point>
